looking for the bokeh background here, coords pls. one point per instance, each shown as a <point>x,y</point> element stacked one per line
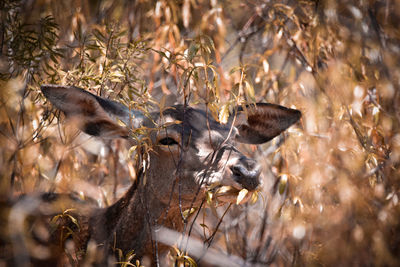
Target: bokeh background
<point>330,194</point>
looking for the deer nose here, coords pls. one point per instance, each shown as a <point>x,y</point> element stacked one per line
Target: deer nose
<point>247,174</point>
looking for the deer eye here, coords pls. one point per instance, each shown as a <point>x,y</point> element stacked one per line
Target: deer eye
<point>168,141</point>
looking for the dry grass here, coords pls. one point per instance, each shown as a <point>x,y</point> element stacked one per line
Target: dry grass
<point>331,184</point>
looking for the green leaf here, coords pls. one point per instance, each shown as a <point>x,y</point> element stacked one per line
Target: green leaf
<point>194,47</point>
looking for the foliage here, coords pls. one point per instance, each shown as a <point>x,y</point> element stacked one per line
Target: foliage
<point>331,185</point>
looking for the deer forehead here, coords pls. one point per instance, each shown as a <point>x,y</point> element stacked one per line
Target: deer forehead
<point>210,140</point>
<point>195,124</point>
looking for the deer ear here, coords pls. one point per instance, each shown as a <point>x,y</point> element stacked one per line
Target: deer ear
<point>92,114</point>
<point>262,122</point>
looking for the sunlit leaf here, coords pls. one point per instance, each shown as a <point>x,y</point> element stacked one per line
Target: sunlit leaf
<point>249,90</point>
<point>188,212</point>
<point>209,197</point>
<point>242,194</point>
<point>191,261</point>
<point>282,184</point>
<point>73,220</point>
<point>254,197</point>
<point>224,114</point>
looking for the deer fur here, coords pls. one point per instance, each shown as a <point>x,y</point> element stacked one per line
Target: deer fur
<point>190,151</point>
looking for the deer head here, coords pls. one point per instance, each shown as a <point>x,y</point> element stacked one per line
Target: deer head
<point>191,150</point>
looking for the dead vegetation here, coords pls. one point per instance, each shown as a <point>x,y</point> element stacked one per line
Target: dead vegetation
<point>331,185</point>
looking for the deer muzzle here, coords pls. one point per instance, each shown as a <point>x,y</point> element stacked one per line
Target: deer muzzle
<point>247,174</point>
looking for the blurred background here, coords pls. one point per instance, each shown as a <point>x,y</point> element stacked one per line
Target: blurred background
<point>330,192</point>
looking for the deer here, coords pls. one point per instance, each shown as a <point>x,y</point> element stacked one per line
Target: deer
<point>191,151</point>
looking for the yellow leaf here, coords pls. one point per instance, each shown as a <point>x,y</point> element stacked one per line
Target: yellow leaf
<point>242,194</point>
<point>265,66</point>
<point>254,197</point>
<point>121,123</point>
<point>68,210</point>
<point>224,114</point>
<point>225,189</point>
<point>131,150</point>
<point>209,197</point>
<point>73,220</point>
<point>282,183</point>
<point>175,251</point>
<point>249,90</point>
<point>169,123</point>
<point>188,212</point>
<point>191,261</point>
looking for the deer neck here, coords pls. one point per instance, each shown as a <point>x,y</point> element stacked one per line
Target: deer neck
<point>129,223</point>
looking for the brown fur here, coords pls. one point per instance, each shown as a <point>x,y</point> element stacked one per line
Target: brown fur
<point>200,152</point>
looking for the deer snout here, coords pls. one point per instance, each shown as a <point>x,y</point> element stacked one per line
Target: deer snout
<point>247,174</point>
